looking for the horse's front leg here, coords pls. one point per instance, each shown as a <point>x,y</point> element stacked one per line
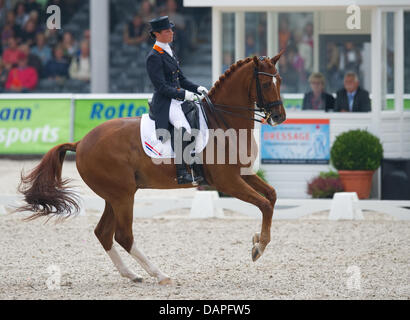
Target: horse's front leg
<point>240,189</point>
<point>270,193</point>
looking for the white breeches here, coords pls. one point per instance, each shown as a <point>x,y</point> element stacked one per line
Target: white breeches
<point>177,117</point>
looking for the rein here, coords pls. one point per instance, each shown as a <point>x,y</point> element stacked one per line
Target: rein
<point>261,105</point>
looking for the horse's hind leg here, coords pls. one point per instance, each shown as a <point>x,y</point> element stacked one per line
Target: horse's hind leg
<point>105,233</point>
<point>123,235</point>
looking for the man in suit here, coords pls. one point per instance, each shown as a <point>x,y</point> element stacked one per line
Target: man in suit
<point>352,98</point>
<point>172,88</point>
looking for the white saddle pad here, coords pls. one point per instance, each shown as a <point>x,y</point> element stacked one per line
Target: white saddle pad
<point>155,149</point>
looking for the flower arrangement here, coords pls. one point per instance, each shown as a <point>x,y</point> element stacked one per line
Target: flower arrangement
<point>325,185</point>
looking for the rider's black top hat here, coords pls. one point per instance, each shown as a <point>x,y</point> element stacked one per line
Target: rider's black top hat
<point>161,23</point>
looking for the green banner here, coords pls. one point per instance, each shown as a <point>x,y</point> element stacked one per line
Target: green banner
<point>91,113</point>
<point>33,126</point>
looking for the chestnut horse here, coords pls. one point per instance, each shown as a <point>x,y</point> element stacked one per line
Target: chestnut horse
<point>112,162</point>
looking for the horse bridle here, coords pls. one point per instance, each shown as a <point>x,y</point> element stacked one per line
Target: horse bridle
<point>261,106</point>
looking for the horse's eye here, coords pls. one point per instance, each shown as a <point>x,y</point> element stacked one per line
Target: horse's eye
<point>266,85</point>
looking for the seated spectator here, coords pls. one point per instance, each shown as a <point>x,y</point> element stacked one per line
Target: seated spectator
<point>28,34</point>
<point>80,67</point>
<point>3,13</point>
<point>33,5</point>
<point>22,78</point>
<point>288,72</point>
<point>57,68</point>
<point>352,98</point>
<point>11,29</point>
<point>11,54</point>
<point>317,99</point>
<point>41,49</point>
<point>135,32</point>
<point>70,46</point>
<point>87,35</point>
<point>182,38</point>
<point>33,60</point>
<point>52,37</point>
<point>3,76</point>
<point>146,11</point>
<point>21,14</point>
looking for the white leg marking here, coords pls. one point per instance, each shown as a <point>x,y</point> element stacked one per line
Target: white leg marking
<point>122,268</point>
<point>152,270</point>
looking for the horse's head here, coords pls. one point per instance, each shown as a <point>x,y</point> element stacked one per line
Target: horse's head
<point>266,89</point>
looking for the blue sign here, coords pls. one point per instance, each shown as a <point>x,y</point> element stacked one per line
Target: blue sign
<point>296,141</point>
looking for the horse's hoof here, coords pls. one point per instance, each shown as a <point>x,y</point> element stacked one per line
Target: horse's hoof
<point>256,253</point>
<point>137,280</point>
<point>256,238</point>
<point>166,281</point>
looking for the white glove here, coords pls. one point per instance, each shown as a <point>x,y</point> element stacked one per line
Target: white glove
<point>202,90</point>
<point>190,96</point>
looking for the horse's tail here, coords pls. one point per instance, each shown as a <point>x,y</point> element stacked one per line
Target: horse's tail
<point>45,193</point>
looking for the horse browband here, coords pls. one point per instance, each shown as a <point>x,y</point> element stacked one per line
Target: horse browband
<point>261,106</point>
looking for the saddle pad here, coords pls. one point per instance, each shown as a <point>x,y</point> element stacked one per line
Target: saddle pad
<point>155,149</point>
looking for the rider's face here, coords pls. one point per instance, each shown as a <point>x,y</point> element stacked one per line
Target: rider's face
<point>165,36</point>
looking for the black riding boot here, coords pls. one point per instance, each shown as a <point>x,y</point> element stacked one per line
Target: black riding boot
<point>183,176</point>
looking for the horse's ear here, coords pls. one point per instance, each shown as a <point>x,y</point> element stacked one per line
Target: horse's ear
<point>255,61</point>
<point>276,58</point>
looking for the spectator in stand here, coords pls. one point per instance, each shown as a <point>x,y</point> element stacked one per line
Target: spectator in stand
<point>3,76</point>
<point>284,32</point>
<point>80,67</point>
<point>146,11</point>
<point>182,43</point>
<point>52,37</point>
<point>318,99</point>
<point>57,68</point>
<point>70,46</point>
<point>305,51</point>
<point>41,49</point>
<point>13,30</point>
<point>32,60</point>
<point>250,46</point>
<point>227,61</point>
<point>22,78</point>
<point>87,35</point>
<point>28,34</point>
<point>308,34</point>
<point>332,65</point>
<point>298,65</point>
<point>289,73</point>
<point>135,32</point>
<point>352,98</point>
<point>33,5</point>
<point>3,13</point>
<point>11,54</point>
<point>351,58</point>
<point>21,14</point>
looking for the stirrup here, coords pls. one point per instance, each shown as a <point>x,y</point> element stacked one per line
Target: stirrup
<point>184,177</point>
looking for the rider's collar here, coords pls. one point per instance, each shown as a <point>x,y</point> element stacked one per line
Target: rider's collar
<point>164,46</point>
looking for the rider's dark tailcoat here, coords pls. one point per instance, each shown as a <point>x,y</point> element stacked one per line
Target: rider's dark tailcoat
<point>169,83</point>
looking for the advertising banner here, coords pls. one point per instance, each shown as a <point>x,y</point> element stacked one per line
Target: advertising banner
<point>91,113</point>
<point>33,126</point>
<point>296,141</point>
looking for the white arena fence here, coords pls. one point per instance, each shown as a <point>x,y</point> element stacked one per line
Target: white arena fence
<point>208,204</point>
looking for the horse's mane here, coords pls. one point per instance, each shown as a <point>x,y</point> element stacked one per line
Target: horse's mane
<point>228,73</point>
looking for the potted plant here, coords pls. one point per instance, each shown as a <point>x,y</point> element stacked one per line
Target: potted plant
<point>357,154</point>
<point>325,185</point>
